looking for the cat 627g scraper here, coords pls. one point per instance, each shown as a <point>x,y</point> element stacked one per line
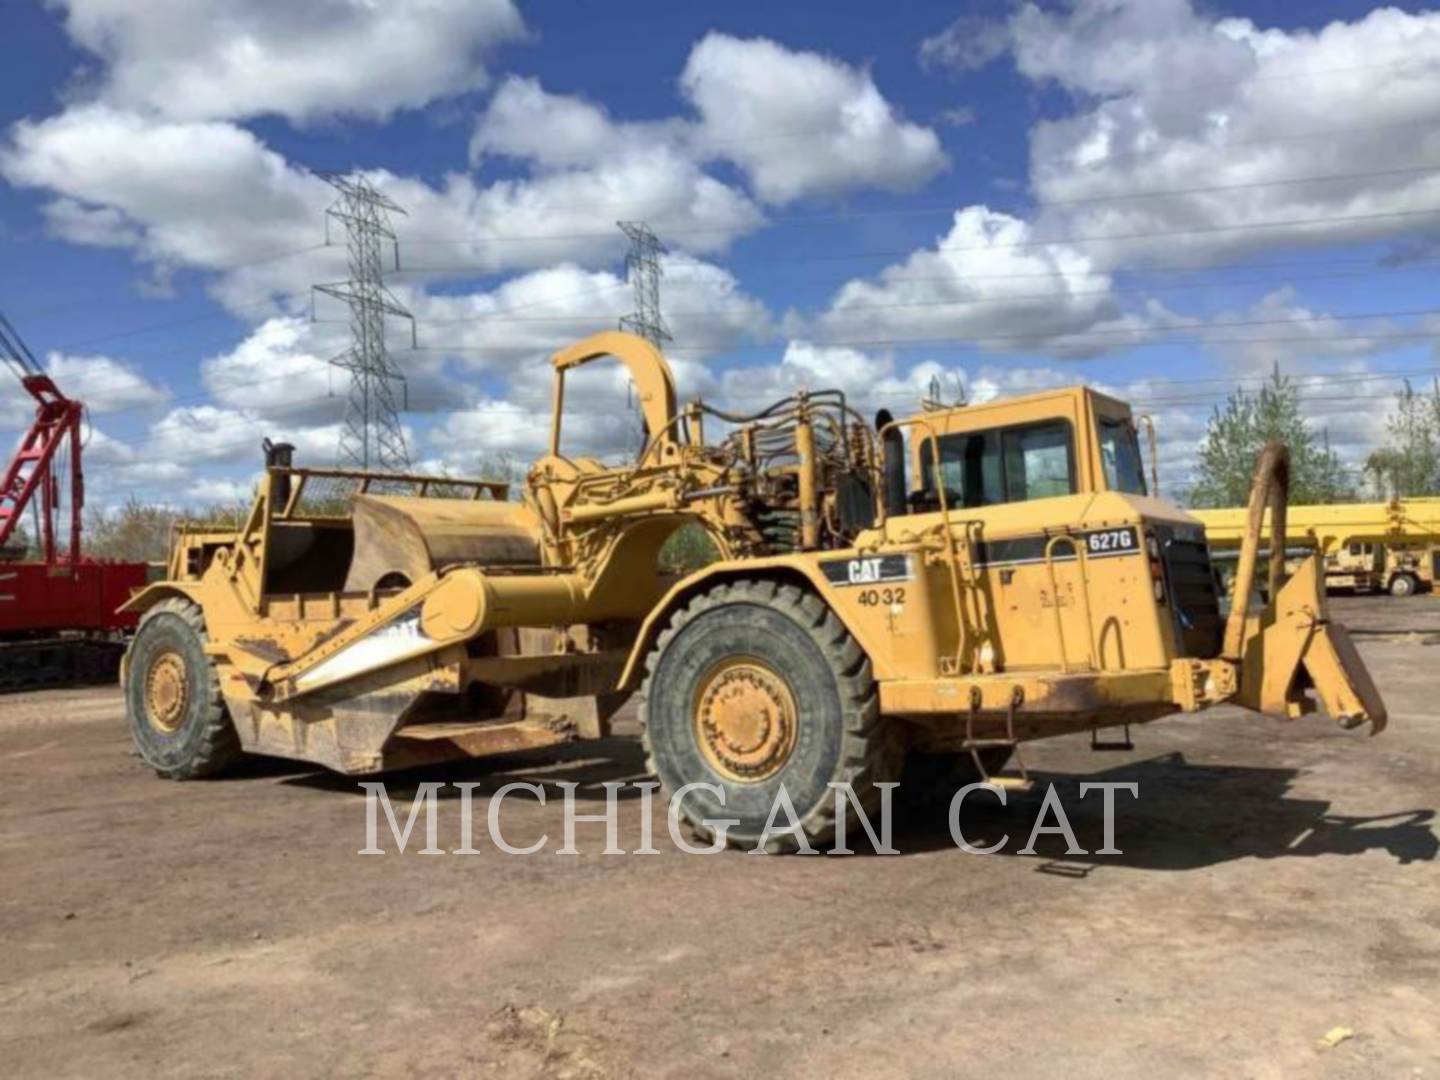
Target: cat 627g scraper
<point>942,587</point>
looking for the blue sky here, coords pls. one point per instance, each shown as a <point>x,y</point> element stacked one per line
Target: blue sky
<point>1159,198</point>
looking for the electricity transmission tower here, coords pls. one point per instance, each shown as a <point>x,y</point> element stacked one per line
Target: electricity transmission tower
<point>371,437</point>
<point>642,267</point>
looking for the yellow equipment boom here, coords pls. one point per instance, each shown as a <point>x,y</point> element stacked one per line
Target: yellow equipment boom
<point>1328,527</point>
<point>1391,545</point>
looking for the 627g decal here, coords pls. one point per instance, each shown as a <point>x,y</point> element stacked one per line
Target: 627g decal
<point>1111,542</point>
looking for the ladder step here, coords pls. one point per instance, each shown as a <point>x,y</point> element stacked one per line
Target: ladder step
<point>1122,743</point>
<point>1018,784</point>
<point>986,744</point>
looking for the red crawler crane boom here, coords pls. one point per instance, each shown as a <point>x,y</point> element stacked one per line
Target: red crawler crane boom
<point>57,615</point>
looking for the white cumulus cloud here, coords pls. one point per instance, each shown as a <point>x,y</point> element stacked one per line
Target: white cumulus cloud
<point>103,384</point>
<point>213,59</point>
<point>1168,98</point>
<point>802,124</point>
<point>987,279</point>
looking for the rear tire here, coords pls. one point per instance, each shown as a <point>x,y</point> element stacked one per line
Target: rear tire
<point>755,685</point>
<point>178,720</point>
<point>1403,585</point>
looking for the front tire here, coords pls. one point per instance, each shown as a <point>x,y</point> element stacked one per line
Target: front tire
<point>178,720</point>
<point>1402,585</point>
<point>754,686</point>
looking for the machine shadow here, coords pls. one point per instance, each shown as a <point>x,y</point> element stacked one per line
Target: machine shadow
<point>1186,817</point>
<point>587,764</point>
<point>1427,635</point>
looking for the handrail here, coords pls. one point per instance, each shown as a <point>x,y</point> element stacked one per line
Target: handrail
<point>497,489</point>
<point>1083,569</point>
<point>1270,488</point>
<point>474,489</point>
<point>951,556</point>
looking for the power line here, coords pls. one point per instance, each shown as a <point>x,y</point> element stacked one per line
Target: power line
<point>1079,336</point>
<point>825,217</point>
<point>965,343</point>
<point>1227,382</point>
<point>522,410</point>
<point>1374,267</point>
<point>1062,343</point>
<point>979,301</point>
<point>1284,223</point>
<point>1269,140</point>
<point>613,206</point>
<point>125,381</point>
<point>229,313</point>
<point>1309,73</point>
<point>1056,241</point>
<point>497,314</point>
<point>678,273</point>
<point>421,240</point>
<point>87,298</point>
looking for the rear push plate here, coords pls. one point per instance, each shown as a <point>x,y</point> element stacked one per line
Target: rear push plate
<point>871,570</point>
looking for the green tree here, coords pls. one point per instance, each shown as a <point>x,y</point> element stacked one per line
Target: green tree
<point>1409,462</point>
<point>140,532</point>
<point>688,549</point>
<point>502,465</point>
<point>1236,434</point>
<point>20,546</point>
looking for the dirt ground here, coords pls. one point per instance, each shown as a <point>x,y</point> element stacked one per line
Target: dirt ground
<point>1277,882</point>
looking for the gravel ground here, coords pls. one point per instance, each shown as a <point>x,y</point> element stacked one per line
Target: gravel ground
<point>1278,883</point>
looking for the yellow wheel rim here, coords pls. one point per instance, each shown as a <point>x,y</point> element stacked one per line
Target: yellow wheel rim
<point>746,722</point>
<point>167,693</point>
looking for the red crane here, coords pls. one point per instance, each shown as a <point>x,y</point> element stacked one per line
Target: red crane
<point>57,613</point>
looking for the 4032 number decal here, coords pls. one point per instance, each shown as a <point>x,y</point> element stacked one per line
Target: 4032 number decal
<point>882,597</point>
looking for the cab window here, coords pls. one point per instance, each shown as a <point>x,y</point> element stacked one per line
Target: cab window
<point>1120,455</point>
<point>985,468</point>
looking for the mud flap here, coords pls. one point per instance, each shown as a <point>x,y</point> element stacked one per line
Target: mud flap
<point>1292,645</point>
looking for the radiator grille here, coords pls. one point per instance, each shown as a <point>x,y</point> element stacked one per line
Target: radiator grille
<point>1190,583</point>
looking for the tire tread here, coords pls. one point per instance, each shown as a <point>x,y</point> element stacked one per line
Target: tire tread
<point>218,745</point>
<point>870,751</point>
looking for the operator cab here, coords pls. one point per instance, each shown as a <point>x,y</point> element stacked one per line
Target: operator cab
<point>1051,444</point>
<point>1021,473</point>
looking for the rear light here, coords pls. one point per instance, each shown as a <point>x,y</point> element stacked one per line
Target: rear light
<point>1157,571</point>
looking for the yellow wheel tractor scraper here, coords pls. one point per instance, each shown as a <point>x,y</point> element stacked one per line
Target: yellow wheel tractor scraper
<point>936,589</point>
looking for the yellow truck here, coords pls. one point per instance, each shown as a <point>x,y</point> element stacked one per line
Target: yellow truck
<point>1389,547</point>
<point>935,589</point>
